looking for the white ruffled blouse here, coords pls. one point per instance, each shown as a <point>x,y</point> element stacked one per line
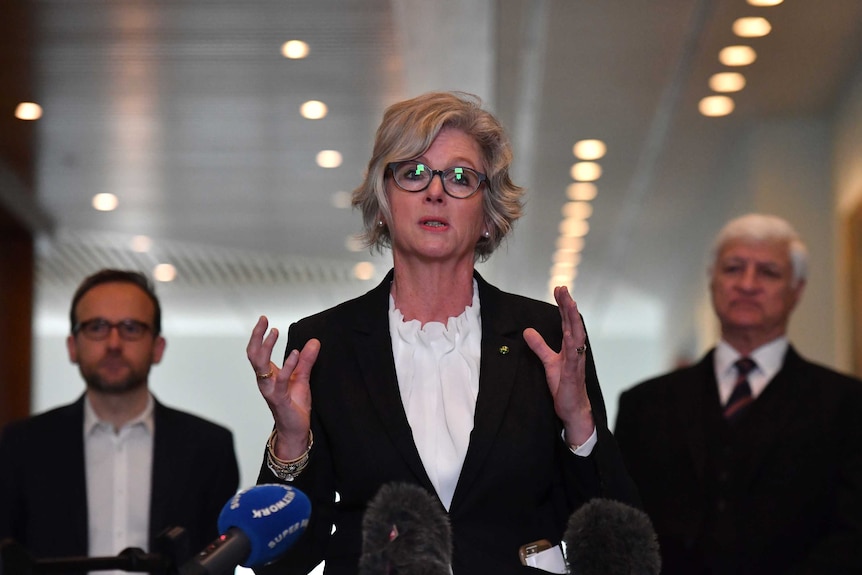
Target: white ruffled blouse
<point>438,375</point>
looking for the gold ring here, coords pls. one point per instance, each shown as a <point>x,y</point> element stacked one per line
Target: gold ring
<point>581,349</point>
<point>266,375</point>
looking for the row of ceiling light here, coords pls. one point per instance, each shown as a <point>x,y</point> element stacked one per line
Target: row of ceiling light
<point>736,56</point>
<point>574,223</point>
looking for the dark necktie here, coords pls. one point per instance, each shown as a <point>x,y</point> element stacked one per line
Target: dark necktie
<point>741,396</point>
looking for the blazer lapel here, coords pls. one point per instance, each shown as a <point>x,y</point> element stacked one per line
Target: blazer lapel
<point>71,454</point>
<point>693,403</point>
<point>497,370</point>
<point>373,347</point>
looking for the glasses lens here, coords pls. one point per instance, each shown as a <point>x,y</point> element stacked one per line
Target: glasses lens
<point>461,181</point>
<point>96,328</point>
<point>132,329</point>
<point>129,329</point>
<point>412,176</point>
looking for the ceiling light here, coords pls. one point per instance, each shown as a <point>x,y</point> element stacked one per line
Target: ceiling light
<point>578,210</point>
<point>105,202</point>
<point>586,171</point>
<point>589,149</point>
<point>752,27</point>
<point>737,56</point>
<point>714,106</point>
<point>294,49</point>
<point>567,257</point>
<point>342,200</point>
<point>313,110</point>
<point>582,191</point>
<point>165,273</point>
<point>727,82</point>
<point>574,228</point>
<point>363,271</point>
<point>141,244</point>
<point>765,2</point>
<point>570,243</point>
<point>328,158</point>
<point>354,243</point>
<point>28,111</point>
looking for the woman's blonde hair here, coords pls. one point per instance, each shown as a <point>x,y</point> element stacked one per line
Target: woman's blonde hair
<point>408,129</point>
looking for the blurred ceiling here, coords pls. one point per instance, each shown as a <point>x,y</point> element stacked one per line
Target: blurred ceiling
<point>189,114</point>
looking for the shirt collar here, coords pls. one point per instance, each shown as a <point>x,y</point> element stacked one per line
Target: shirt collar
<point>145,418</point>
<point>769,357</point>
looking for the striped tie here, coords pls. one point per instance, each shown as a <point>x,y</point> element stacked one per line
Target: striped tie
<point>741,396</point>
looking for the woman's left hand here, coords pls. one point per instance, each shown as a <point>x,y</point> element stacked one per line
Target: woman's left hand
<point>566,371</point>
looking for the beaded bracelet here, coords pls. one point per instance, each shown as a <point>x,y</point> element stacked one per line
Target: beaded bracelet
<point>287,470</point>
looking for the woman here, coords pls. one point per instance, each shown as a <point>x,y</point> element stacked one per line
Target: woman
<point>436,377</point>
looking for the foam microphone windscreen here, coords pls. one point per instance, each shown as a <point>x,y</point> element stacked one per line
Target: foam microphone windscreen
<point>606,537</point>
<point>405,530</point>
<point>272,516</point>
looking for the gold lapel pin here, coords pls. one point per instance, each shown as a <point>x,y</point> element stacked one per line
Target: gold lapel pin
<point>504,349</point>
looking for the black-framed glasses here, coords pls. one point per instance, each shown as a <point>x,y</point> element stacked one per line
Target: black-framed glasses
<point>458,181</point>
<point>100,328</point>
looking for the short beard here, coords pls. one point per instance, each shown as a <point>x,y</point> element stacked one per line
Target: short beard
<point>96,383</point>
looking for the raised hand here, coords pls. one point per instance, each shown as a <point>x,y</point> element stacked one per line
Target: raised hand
<point>566,371</point>
<point>286,389</point>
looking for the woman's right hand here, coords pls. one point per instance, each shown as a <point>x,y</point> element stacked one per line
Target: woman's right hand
<point>286,389</point>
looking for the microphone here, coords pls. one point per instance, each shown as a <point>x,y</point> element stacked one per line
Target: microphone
<point>405,531</point>
<point>605,537</point>
<point>257,525</point>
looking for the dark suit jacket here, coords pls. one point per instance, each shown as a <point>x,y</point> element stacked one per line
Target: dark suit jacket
<point>43,493</point>
<point>519,482</point>
<point>778,493</point>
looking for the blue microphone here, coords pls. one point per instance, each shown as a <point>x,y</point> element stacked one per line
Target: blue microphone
<point>257,525</point>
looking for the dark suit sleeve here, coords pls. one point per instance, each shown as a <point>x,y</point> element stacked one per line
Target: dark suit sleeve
<point>10,498</point>
<point>839,548</point>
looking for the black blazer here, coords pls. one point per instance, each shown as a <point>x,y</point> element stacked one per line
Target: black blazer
<point>43,493</point>
<point>519,482</point>
<point>778,493</point>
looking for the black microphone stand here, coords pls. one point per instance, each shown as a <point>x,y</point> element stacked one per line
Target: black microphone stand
<point>171,550</point>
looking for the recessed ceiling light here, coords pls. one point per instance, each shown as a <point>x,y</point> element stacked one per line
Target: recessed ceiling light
<point>141,244</point>
<point>586,171</point>
<point>28,111</point>
<point>105,202</point>
<point>313,110</point>
<point>328,158</point>
<point>714,106</point>
<point>579,210</point>
<point>737,56</point>
<point>582,191</point>
<point>363,271</point>
<point>570,243</point>
<point>294,49</point>
<point>752,27</point>
<point>354,244</point>
<point>165,273</point>
<point>727,82</point>
<point>589,149</point>
<point>342,200</point>
<point>567,257</point>
<point>765,2</point>
<point>574,228</point>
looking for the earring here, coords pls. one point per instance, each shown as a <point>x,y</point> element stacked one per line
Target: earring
<point>379,223</point>
<point>486,233</point>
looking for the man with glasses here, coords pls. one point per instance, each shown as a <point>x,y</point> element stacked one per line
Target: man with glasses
<point>116,467</point>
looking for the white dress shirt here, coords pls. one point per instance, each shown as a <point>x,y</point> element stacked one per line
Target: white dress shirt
<point>119,477</point>
<point>768,357</point>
